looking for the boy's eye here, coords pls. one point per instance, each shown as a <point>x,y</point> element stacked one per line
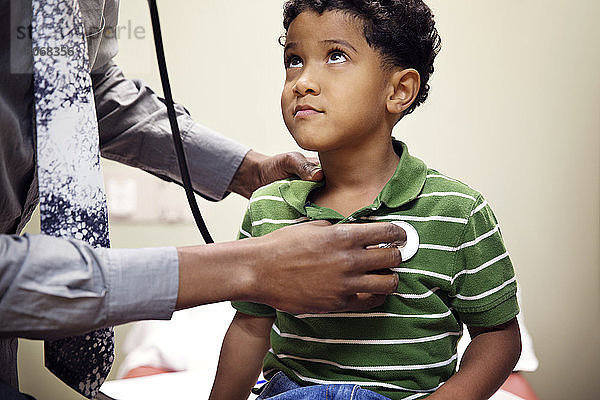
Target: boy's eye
<point>293,62</point>
<point>337,57</point>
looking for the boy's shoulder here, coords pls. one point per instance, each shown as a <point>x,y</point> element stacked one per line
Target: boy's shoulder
<point>449,195</point>
<point>268,201</point>
<point>436,181</point>
<point>271,189</point>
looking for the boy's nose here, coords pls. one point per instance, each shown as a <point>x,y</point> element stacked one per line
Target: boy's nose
<point>306,84</point>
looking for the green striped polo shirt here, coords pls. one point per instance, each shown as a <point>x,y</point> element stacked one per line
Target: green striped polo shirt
<point>405,348</point>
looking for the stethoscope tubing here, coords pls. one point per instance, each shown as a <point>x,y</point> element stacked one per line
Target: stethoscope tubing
<point>177,141</point>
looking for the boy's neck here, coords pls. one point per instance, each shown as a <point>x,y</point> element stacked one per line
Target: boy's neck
<point>355,175</point>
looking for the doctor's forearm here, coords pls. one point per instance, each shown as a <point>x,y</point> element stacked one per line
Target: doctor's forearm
<point>213,273</point>
<point>134,130</point>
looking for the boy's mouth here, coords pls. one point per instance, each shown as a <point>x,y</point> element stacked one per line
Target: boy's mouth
<point>305,111</point>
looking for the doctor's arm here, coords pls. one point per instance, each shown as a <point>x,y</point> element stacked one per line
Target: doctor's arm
<point>134,130</point>
<point>52,287</point>
<point>310,266</point>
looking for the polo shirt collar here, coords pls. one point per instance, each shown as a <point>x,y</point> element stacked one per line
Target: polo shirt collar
<point>404,186</point>
<point>408,180</point>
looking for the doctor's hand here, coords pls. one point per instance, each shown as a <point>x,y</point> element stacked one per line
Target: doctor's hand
<point>309,267</point>
<point>258,170</point>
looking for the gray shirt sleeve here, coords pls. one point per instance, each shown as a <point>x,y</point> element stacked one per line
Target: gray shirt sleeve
<point>134,130</point>
<point>52,288</point>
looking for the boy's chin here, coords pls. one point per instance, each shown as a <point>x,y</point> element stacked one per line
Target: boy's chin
<point>308,147</point>
<point>305,144</point>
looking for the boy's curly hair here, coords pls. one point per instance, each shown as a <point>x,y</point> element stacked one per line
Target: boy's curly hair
<point>403,31</point>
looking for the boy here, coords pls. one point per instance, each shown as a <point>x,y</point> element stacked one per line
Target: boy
<point>353,70</point>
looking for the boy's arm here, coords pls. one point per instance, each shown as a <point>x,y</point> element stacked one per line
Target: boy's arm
<point>487,362</point>
<point>244,347</point>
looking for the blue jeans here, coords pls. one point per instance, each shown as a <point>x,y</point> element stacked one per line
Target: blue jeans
<point>280,387</point>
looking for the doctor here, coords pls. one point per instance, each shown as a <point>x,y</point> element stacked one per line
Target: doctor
<point>38,292</point>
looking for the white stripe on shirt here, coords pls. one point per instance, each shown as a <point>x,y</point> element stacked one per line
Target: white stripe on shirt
<point>444,194</point>
<point>418,219</point>
<point>488,292</point>
<point>415,396</point>
<point>365,341</point>
<point>482,266</point>
<point>367,383</point>
<point>373,315</point>
<point>479,207</point>
<point>279,221</point>
<point>450,278</point>
<point>462,246</point>
<point>370,368</point>
<point>275,198</point>
<point>243,232</point>
<point>416,296</point>
<point>442,177</point>
<point>423,272</point>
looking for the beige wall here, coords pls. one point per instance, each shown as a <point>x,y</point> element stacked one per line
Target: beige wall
<point>514,111</point>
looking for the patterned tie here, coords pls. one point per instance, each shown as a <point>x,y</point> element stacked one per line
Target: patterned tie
<point>72,200</point>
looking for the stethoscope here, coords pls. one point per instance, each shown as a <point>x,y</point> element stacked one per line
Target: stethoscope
<point>407,250</point>
<point>181,160</point>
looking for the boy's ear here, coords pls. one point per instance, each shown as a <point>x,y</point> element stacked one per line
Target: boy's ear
<point>404,87</point>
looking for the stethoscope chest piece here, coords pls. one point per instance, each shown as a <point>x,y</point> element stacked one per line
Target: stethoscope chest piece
<point>409,249</point>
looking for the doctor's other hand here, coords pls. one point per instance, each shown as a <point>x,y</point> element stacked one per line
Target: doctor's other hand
<point>258,170</point>
<point>309,267</point>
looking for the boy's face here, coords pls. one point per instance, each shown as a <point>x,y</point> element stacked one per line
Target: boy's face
<point>335,87</point>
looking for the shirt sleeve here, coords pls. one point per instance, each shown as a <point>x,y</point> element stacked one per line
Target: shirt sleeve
<point>52,288</point>
<point>254,309</point>
<point>484,284</point>
<point>134,130</point>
